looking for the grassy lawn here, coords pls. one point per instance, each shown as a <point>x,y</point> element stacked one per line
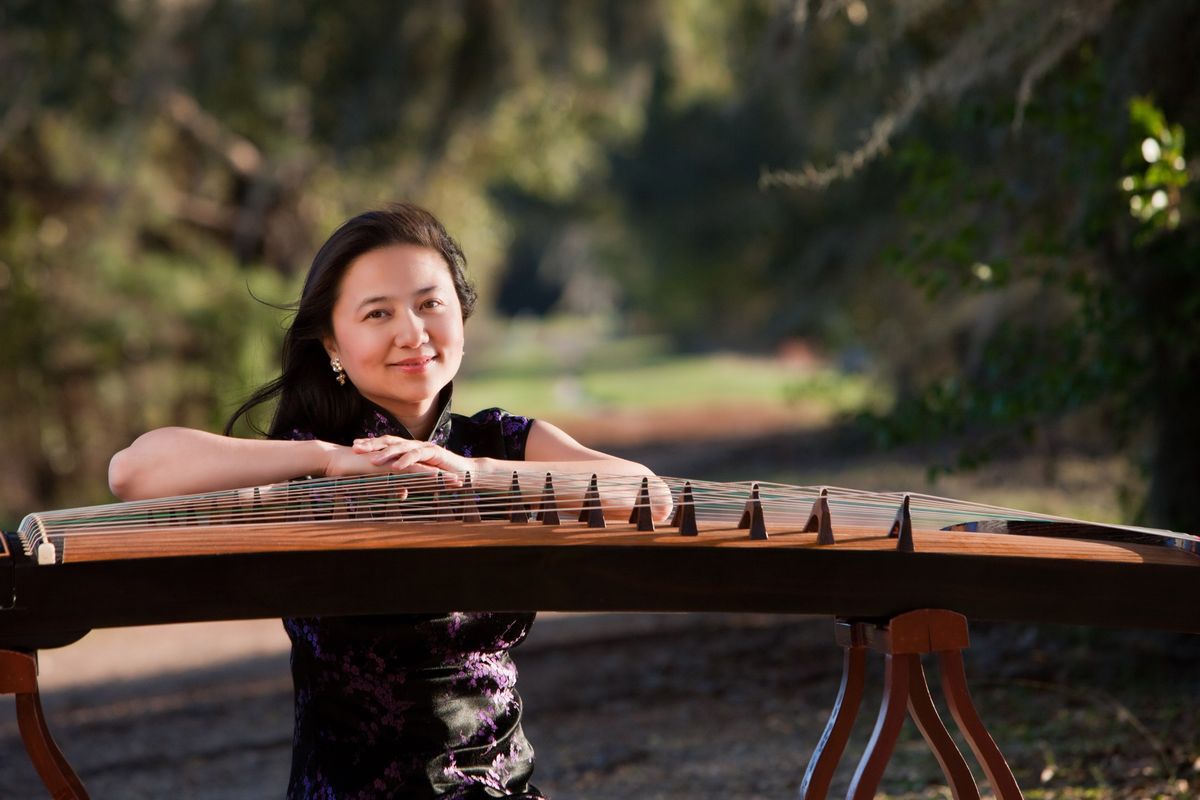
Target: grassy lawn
<point>1083,487</point>
<point>661,382</point>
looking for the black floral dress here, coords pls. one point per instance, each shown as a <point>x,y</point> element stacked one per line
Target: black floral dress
<point>415,705</point>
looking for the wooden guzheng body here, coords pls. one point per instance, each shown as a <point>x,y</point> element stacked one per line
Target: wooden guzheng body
<point>392,544</point>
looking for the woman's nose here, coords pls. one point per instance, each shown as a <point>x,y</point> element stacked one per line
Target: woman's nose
<point>410,331</point>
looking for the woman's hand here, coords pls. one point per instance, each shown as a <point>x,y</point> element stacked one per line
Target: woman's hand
<point>343,462</point>
<point>397,454</point>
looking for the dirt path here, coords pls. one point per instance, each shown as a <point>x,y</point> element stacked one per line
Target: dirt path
<point>616,705</point>
<point>650,706</point>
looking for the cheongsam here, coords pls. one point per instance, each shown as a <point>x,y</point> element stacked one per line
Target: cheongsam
<point>415,705</point>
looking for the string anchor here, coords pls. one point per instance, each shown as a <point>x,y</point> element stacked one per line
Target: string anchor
<point>752,516</point>
<point>901,529</point>
<point>684,517</point>
<point>469,506</point>
<point>593,511</point>
<point>641,513</point>
<point>391,503</point>
<point>819,519</point>
<point>548,510</point>
<point>438,504</point>
<point>519,511</point>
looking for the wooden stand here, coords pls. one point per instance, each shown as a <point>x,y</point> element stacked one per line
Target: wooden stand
<point>18,676</point>
<point>902,640</point>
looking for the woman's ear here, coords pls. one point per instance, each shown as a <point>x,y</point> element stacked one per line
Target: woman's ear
<point>330,346</point>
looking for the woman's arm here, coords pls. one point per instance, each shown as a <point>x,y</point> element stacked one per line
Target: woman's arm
<point>174,461</point>
<point>548,449</point>
<point>551,449</point>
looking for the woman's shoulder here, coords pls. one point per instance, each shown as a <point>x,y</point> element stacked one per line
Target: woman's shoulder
<point>492,416</point>
<point>492,432</point>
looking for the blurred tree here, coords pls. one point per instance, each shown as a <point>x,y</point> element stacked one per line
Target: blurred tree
<point>158,159</point>
<point>1064,287</point>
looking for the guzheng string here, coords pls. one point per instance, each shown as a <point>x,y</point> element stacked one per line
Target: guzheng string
<point>428,497</point>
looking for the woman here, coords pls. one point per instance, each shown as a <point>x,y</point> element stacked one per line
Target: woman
<point>410,706</point>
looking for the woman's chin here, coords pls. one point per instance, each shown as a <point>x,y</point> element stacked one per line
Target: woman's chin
<point>411,394</point>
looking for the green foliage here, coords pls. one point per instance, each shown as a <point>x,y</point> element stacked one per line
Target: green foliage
<point>113,342</point>
<point>1156,191</point>
<point>1054,306</point>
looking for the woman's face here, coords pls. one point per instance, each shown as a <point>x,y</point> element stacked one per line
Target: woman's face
<point>398,327</point>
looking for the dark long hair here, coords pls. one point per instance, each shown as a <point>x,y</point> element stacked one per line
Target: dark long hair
<point>310,399</point>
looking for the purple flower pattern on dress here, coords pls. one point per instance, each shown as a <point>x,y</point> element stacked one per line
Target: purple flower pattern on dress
<point>414,706</point>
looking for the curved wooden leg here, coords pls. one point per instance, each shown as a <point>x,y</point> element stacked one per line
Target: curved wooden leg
<point>925,715</point>
<point>18,675</point>
<point>47,759</point>
<point>954,684</point>
<point>833,740</point>
<point>887,727</point>
<point>903,639</point>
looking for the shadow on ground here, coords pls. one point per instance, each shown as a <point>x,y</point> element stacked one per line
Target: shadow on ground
<point>677,706</point>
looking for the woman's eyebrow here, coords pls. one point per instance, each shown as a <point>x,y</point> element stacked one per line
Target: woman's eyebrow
<point>381,298</point>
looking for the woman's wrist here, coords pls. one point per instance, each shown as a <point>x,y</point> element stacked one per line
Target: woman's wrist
<point>322,456</point>
<point>481,468</point>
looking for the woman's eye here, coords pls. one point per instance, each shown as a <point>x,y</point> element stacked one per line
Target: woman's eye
<point>432,302</point>
<point>377,313</point>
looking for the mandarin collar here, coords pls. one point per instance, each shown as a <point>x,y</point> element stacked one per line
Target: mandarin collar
<point>379,421</point>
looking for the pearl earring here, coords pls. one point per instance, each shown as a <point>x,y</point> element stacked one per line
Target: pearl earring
<point>336,364</point>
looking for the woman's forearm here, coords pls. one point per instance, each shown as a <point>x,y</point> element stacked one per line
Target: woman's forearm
<point>176,461</point>
<point>619,482</point>
<point>173,461</point>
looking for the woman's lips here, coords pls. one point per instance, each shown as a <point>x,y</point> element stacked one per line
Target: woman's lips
<point>413,364</point>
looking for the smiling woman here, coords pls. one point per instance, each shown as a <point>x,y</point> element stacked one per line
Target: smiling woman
<point>414,706</point>
<point>397,331</point>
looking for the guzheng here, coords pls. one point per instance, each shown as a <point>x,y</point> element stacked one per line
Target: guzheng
<point>405,544</point>
<point>415,543</point>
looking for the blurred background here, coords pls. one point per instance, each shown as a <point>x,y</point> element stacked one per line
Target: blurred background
<point>961,221</point>
<point>919,244</point>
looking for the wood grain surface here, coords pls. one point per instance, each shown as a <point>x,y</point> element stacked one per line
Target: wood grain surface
<point>118,544</point>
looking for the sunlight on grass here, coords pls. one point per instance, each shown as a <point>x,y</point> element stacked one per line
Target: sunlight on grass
<point>571,366</point>
<point>677,382</point>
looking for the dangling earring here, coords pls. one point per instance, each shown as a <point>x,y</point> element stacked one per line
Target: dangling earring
<point>336,364</point>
